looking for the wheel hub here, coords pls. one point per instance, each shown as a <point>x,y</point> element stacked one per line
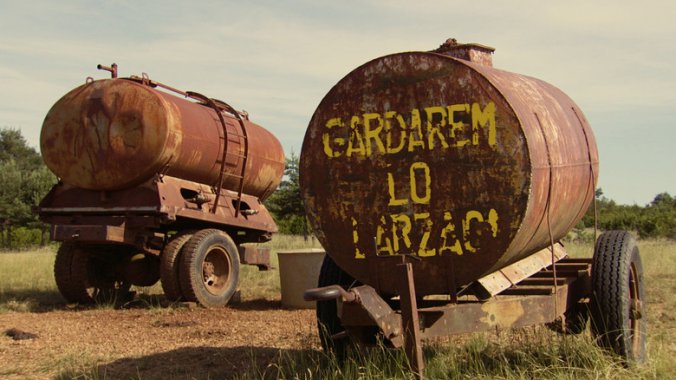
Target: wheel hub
<point>208,272</point>
<point>215,270</point>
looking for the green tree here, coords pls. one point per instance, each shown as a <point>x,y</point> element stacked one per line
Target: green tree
<point>11,197</point>
<point>26,179</point>
<point>663,200</point>
<point>658,219</point>
<point>13,146</point>
<point>286,204</point>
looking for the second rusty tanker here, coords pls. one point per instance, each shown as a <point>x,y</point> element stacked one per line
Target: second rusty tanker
<point>153,185</point>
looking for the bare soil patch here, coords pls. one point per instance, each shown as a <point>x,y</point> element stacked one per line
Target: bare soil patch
<point>153,343</point>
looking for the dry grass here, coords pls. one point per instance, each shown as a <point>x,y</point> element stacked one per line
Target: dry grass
<point>255,284</point>
<point>27,281</point>
<point>258,339</point>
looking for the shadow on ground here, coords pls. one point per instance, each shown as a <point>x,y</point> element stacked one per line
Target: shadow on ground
<point>42,301</point>
<point>194,363</point>
<point>38,301</point>
<point>34,301</point>
<point>257,305</point>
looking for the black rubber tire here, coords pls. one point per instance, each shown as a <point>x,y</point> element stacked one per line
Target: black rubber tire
<point>618,297</point>
<point>62,273</point>
<point>209,270</point>
<point>141,269</point>
<point>87,274</point>
<point>328,322</point>
<point>170,261</point>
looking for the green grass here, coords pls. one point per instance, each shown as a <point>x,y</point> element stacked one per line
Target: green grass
<point>27,280</point>
<point>528,353</point>
<point>520,354</point>
<point>533,353</point>
<point>255,284</point>
<point>27,284</point>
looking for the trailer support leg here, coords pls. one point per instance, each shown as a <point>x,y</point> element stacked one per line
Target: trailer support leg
<point>411,322</point>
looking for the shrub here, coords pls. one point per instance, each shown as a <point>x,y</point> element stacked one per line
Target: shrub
<point>23,238</point>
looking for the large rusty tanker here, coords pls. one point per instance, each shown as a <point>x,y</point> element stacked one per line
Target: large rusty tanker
<point>432,176</point>
<point>155,183</point>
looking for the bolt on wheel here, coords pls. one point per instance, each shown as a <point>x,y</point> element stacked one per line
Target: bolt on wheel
<point>209,268</point>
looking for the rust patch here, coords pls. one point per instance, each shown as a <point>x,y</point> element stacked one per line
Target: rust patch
<point>117,133</point>
<point>501,315</point>
<point>424,154</point>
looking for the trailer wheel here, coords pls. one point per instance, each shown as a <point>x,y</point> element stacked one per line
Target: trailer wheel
<point>87,274</point>
<point>62,273</point>
<point>140,269</point>
<point>617,308</point>
<point>328,323</point>
<point>209,269</point>
<point>170,263</point>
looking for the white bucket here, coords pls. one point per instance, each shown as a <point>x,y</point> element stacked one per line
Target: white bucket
<point>299,271</point>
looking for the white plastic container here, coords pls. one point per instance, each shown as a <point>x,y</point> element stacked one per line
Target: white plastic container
<point>299,271</point>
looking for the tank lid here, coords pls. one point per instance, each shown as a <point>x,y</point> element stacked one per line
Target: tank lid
<point>472,52</point>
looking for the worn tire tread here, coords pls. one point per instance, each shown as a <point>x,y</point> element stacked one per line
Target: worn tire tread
<point>62,272</point>
<point>170,263</point>
<point>70,272</point>
<point>190,281</point>
<point>613,256</point>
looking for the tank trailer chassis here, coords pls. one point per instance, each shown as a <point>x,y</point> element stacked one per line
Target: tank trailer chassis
<point>557,295</point>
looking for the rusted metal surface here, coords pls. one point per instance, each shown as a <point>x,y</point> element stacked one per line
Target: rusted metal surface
<point>259,257</point>
<point>142,170</point>
<point>410,322</point>
<point>112,69</point>
<point>534,304</point>
<point>136,216</point>
<point>89,233</point>
<point>328,293</point>
<point>512,274</point>
<point>363,307</point>
<point>503,313</point>
<point>477,53</point>
<point>117,133</point>
<point>466,166</point>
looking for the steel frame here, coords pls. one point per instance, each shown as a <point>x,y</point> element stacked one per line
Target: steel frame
<point>407,321</point>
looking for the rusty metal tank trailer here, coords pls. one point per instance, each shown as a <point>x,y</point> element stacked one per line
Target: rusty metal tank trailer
<point>154,186</point>
<point>433,173</point>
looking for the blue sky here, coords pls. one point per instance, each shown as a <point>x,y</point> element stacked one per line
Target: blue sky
<point>276,59</point>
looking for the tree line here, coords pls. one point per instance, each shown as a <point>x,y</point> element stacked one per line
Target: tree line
<point>654,220</point>
<point>26,180</point>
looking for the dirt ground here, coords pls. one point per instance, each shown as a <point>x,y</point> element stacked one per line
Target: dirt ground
<point>152,342</point>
